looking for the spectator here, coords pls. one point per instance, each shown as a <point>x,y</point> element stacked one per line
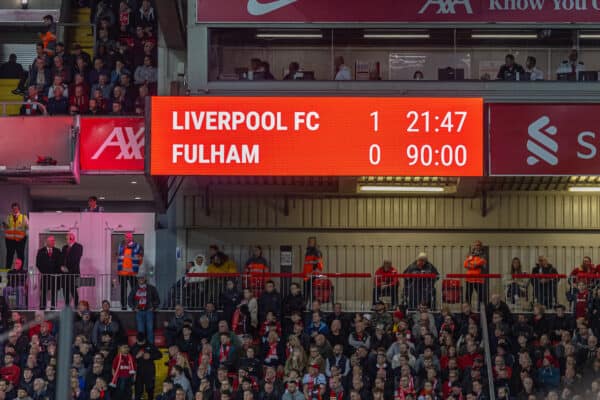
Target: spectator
<point>293,69</point>
<point>120,69</point>
<point>48,38</point>
<point>82,68</point>
<point>60,69</point>
<point>58,82</point>
<point>518,288</point>
<point>32,102</point>
<point>342,72</point>
<point>419,290</point>
<point>124,369</point>
<point>40,75</point>
<point>313,264</point>
<point>174,326</point>
<point>48,262</point>
<point>16,285</point>
<point>11,69</point>
<point>15,233</point>
<point>104,325</point>
<point>99,69</point>
<point>103,85</point>
<point>130,257</point>
<point>269,301</point>
<point>386,283</point>
<point>58,104</point>
<point>510,71</point>
<point>146,16</point>
<point>418,76</point>
<point>545,289</point>
<point>145,355</point>
<point>144,300</point>
<point>535,74</point>
<point>79,100</point>
<point>146,73</point>
<point>85,326</point>
<point>93,108</point>
<point>572,65</point>
<point>93,205</point>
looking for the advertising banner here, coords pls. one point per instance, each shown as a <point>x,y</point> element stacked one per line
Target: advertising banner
<point>544,139</point>
<point>317,136</point>
<point>443,11</point>
<point>111,145</point>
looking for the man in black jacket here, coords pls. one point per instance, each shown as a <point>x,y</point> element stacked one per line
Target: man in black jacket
<point>145,354</point>
<point>71,253</point>
<point>47,261</point>
<point>144,300</point>
<point>269,300</point>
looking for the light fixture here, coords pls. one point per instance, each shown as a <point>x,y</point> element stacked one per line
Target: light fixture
<point>289,35</point>
<point>504,36</point>
<point>396,36</point>
<point>137,198</point>
<point>589,36</point>
<point>24,4</point>
<point>584,189</point>
<point>134,182</point>
<point>400,189</point>
<point>101,198</point>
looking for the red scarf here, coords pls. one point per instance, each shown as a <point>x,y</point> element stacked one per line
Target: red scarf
<point>224,353</point>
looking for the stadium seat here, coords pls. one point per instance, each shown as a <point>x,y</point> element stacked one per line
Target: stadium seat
<point>6,88</point>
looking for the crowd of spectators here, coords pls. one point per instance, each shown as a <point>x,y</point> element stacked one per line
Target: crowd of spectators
<point>114,80</point>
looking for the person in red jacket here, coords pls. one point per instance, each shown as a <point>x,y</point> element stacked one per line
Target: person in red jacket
<point>586,267</point>
<point>313,264</point>
<point>10,372</point>
<point>123,369</point>
<point>386,283</point>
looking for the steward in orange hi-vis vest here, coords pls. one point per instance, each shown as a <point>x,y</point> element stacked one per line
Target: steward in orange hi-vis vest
<point>313,259</point>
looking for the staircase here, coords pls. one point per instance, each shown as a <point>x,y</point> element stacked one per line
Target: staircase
<point>82,34</point>
<point>6,88</point>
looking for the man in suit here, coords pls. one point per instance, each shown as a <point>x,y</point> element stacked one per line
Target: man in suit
<point>71,256</point>
<point>48,261</point>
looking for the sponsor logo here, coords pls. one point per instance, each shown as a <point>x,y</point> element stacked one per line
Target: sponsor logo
<point>541,145</point>
<point>129,143</point>
<point>257,8</point>
<point>447,6</point>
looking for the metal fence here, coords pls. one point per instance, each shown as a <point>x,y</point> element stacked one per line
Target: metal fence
<point>355,292</point>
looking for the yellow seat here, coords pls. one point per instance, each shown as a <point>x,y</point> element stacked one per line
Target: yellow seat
<point>6,88</point>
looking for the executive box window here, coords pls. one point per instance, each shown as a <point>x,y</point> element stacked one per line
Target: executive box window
<point>249,54</point>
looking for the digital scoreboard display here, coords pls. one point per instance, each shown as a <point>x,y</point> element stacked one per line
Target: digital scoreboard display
<point>316,136</point>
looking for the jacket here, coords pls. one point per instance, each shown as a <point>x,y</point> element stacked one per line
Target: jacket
<point>16,230</point>
<point>313,262</point>
<point>269,302</point>
<point>428,268</point>
<point>146,368</point>
<point>297,395</point>
<point>152,299</point>
<point>130,257</point>
<point>71,257</point>
<point>47,264</point>
<point>474,264</point>
<point>293,303</point>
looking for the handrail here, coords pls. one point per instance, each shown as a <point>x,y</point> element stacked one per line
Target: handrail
<point>7,103</point>
<point>487,351</point>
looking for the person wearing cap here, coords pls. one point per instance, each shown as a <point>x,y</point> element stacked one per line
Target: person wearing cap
<point>380,316</point>
<point>386,283</point>
<point>418,290</point>
<point>312,381</point>
<point>130,257</point>
<point>144,300</point>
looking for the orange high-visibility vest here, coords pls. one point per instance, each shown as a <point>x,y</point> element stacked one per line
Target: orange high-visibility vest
<point>473,265</point>
<point>15,230</point>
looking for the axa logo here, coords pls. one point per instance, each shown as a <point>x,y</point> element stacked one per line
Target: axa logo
<point>129,143</point>
<point>257,8</point>
<point>541,145</point>
<point>447,6</point>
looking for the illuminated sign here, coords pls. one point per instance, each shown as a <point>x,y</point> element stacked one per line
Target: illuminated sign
<point>316,136</point>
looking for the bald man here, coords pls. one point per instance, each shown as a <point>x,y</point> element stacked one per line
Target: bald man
<point>71,257</point>
<point>48,261</point>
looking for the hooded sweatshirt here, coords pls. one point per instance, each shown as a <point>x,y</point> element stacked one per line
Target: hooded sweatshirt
<point>198,268</point>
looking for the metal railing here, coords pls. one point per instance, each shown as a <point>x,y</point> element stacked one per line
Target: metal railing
<point>356,292</point>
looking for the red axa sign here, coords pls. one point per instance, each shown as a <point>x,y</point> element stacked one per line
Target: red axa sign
<point>497,11</point>
<point>111,145</point>
<point>544,139</point>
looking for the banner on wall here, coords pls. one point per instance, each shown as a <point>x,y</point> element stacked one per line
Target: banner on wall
<point>111,145</point>
<point>446,11</point>
<point>544,139</point>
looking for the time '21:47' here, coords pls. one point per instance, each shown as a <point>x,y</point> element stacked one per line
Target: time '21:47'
<point>426,122</point>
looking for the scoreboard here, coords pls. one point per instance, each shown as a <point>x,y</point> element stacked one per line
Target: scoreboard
<point>316,136</point>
